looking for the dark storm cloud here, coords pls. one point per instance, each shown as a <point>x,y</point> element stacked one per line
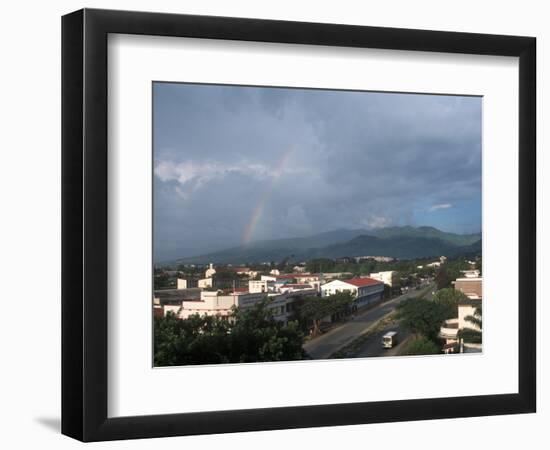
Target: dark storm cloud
<point>236,163</point>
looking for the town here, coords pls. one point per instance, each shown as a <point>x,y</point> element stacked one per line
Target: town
<point>318,309</point>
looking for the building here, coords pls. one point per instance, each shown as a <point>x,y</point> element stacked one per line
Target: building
<point>280,281</point>
<point>174,296</point>
<point>473,273</point>
<point>256,286</point>
<point>365,291</point>
<point>210,303</point>
<point>217,303</point>
<point>387,277</point>
<point>359,259</point>
<point>210,271</point>
<point>242,271</point>
<point>205,283</point>
<point>334,275</point>
<point>449,332</point>
<point>307,278</point>
<point>295,287</point>
<point>470,286</point>
<point>434,264</point>
<point>186,283</point>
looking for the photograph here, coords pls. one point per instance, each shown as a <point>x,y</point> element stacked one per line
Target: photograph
<point>312,224</point>
<point>267,225</point>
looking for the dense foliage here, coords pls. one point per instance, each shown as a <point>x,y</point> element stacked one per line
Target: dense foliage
<point>472,335</point>
<point>449,298</point>
<point>424,317</point>
<point>250,335</point>
<point>314,309</point>
<point>450,272</point>
<point>421,346</point>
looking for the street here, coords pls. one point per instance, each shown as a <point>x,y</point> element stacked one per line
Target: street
<point>325,345</point>
<point>373,346</point>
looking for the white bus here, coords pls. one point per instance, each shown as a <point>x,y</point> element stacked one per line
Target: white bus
<point>389,339</point>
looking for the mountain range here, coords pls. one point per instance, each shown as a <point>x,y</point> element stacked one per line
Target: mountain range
<point>404,242</point>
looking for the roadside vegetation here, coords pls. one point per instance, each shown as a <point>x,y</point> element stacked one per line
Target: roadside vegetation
<point>421,346</point>
<point>309,312</point>
<point>423,318</point>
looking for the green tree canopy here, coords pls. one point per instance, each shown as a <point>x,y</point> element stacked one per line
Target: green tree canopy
<point>473,335</point>
<point>423,317</point>
<point>320,265</point>
<point>315,309</point>
<point>250,335</point>
<point>448,298</point>
<point>421,346</point>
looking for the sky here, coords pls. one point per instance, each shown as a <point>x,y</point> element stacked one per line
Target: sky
<point>235,164</point>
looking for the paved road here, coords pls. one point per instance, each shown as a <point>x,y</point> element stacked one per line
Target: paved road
<point>325,345</point>
<point>373,346</point>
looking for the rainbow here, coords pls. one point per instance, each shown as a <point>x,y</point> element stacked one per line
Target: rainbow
<point>259,209</point>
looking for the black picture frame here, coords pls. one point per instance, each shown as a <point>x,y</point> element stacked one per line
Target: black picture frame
<point>84,224</point>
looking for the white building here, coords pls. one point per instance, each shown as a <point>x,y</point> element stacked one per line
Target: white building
<point>216,303</point>
<point>205,283</point>
<point>242,271</point>
<point>256,286</point>
<point>210,271</point>
<point>472,288</point>
<point>295,287</point>
<point>186,283</point>
<point>268,277</point>
<point>474,273</point>
<point>434,264</point>
<point>305,278</point>
<point>365,291</point>
<point>386,277</point>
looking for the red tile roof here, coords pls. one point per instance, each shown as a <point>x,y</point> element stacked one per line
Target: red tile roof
<point>360,282</point>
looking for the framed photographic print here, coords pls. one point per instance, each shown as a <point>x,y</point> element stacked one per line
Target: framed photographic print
<point>272,224</point>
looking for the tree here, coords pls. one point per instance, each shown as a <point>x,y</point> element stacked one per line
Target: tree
<point>421,346</point>
<point>248,335</point>
<point>423,317</point>
<point>315,309</point>
<point>196,340</point>
<point>450,271</point>
<point>255,336</point>
<point>473,335</point>
<point>448,298</point>
<point>442,279</point>
<point>476,318</point>
<point>320,265</point>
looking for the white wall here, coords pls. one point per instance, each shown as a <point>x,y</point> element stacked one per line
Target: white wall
<point>463,312</point>
<point>332,287</point>
<point>30,177</point>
